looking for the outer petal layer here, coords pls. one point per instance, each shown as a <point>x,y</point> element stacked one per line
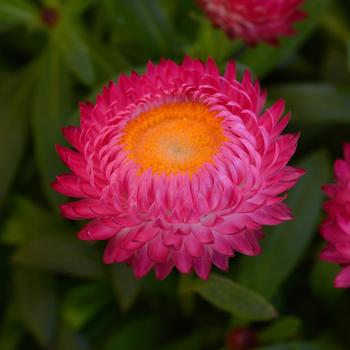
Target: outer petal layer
<point>159,221</point>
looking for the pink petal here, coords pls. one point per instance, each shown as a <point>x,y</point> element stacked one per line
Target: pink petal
<point>157,252</point>
<point>141,263</point>
<point>193,246</point>
<point>343,278</point>
<point>96,230</point>
<point>163,270</point>
<point>202,265</point>
<point>183,260</point>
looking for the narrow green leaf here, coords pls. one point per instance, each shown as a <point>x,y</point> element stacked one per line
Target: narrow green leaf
<point>335,23</point>
<point>281,330</point>
<point>315,102</point>
<point>36,302</point>
<point>125,285</point>
<point>77,7</point>
<point>63,253</point>
<point>27,220</point>
<point>322,282</point>
<point>142,22</point>
<point>51,110</point>
<point>284,245</point>
<point>108,60</point>
<point>233,298</point>
<point>83,302</point>
<point>15,96</point>
<point>14,12</point>
<point>69,39</point>
<point>263,58</point>
<point>212,42</point>
<point>11,330</point>
<point>348,53</point>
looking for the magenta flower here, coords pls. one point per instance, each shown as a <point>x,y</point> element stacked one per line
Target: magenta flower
<point>254,20</point>
<point>336,228</point>
<point>178,167</point>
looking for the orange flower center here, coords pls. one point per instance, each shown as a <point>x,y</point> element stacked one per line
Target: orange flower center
<point>173,138</point>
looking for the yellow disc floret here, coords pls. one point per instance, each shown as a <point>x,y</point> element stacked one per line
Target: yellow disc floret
<point>173,138</point>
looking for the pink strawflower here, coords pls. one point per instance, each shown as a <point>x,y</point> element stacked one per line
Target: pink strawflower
<point>336,228</point>
<point>178,167</point>
<point>254,20</point>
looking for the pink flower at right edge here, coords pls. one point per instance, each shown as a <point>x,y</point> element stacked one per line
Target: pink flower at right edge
<point>252,21</point>
<point>336,228</point>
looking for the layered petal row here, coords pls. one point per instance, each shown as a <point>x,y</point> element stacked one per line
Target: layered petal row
<point>188,220</point>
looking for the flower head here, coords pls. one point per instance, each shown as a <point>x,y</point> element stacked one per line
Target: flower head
<point>336,228</point>
<point>178,167</point>
<point>254,20</point>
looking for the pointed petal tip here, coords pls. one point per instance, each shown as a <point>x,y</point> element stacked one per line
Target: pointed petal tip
<point>342,280</point>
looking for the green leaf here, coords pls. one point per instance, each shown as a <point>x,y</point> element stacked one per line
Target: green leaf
<point>204,338</point>
<point>348,53</point>
<point>143,23</point>
<point>15,93</point>
<point>69,340</point>
<point>328,340</point>
<point>125,284</point>
<point>77,7</point>
<point>212,42</point>
<point>61,252</point>
<point>315,102</point>
<point>262,59</point>
<point>290,346</point>
<point>36,302</point>
<point>83,302</point>
<point>335,23</point>
<point>27,220</point>
<point>11,330</point>
<point>282,329</point>
<point>15,12</point>
<point>51,111</point>
<point>322,282</point>
<point>284,245</point>
<point>70,41</point>
<point>229,296</point>
<point>141,333</point>
<point>108,60</point>
<point>192,342</point>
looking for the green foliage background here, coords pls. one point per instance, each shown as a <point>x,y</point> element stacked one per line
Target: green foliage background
<point>55,293</point>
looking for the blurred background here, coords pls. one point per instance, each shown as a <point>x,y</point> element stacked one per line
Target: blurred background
<point>55,293</point>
